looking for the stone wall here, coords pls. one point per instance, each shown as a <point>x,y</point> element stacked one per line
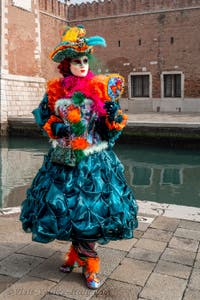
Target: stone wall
<point>23,93</point>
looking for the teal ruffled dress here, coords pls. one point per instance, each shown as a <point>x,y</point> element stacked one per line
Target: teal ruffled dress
<point>90,201</point>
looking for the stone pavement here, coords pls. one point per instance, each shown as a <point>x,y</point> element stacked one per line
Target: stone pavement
<point>162,262</point>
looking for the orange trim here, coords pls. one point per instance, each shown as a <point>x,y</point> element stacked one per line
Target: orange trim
<point>92,265</point>
<point>98,86</point>
<point>79,143</point>
<point>71,257</point>
<point>55,91</point>
<point>115,125</point>
<point>47,125</point>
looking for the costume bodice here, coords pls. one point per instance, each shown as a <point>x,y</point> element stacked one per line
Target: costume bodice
<point>80,121</point>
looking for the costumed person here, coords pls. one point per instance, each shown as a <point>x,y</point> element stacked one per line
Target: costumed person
<point>80,193</point>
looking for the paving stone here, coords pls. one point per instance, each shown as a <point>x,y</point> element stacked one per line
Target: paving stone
<point>54,297</point>
<point>11,231</point>
<point>5,251</point>
<point>165,223</point>
<point>124,245</point>
<point>110,259</point>
<point>133,271</point>
<point>27,288</point>
<point>5,282</point>
<point>197,264</point>
<point>144,222</point>
<point>152,209</point>
<point>36,249</point>
<point>184,244</point>
<point>195,279</point>
<point>182,257</point>
<point>189,225</point>
<point>173,269</point>
<point>9,224</point>
<point>138,234</point>
<point>49,269</point>
<point>15,239</point>
<point>158,235</point>
<point>73,286</point>
<point>164,287</point>
<point>197,261</point>
<point>182,212</point>
<point>187,233</point>
<point>18,265</point>
<point>113,289</point>
<point>60,246</point>
<point>144,254</point>
<point>151,245</point>
<point>191,295</point>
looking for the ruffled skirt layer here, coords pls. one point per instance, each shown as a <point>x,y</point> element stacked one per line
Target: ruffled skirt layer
<point>90,202</point>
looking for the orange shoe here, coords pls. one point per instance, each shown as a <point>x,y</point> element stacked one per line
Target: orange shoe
<point>90,272</point>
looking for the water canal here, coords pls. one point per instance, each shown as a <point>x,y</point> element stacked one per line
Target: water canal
<point>163,175</point>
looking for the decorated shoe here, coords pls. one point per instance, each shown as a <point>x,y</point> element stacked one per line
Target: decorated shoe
<point>92,280</point>
<point>90,272</point>
<point>66,268</point>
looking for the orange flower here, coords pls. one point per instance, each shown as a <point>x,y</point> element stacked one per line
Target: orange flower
<point>47,125</point>
<point>79,143</point>
<point>74,115</point>
<point>116,125</point>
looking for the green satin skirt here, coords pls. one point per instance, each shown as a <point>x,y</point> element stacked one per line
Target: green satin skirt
<point>88,202</point>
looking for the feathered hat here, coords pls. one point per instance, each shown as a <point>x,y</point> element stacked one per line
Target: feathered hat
<point>74,43</point>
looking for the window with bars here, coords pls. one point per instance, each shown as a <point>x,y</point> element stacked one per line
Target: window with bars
<point>172,85</point>
<point>140,85</point>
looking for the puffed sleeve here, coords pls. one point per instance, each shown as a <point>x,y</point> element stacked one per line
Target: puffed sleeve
<point>42,112</point>
<point>112,124</point>
<point>52,125</point>
<point>56,128</point>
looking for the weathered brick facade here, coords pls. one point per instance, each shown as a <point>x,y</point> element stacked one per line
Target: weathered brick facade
<point>144,37</point>
<point>148,36</point>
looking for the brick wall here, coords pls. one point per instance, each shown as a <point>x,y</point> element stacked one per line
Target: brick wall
<point>112,8</point>
<point>150,36</point>
<point>28,36</point>
<point>139,35</point>
<point>53,18</point>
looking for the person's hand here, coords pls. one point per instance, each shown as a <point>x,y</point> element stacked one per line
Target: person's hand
<point>60,129</point>
<point>111,108</point>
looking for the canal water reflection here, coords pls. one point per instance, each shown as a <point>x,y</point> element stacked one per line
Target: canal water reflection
<point>155,174</point>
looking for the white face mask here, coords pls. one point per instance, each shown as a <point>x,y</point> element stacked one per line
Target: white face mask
<point>79,66</point>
